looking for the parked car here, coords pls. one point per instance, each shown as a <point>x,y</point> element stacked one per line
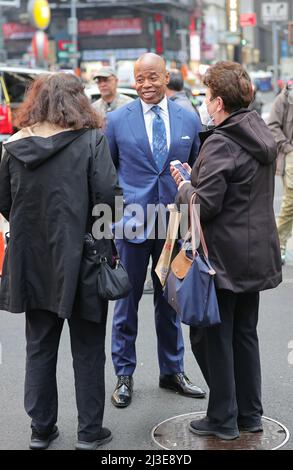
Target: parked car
<point>13,84</point>
<point>6,127</point>
<point>92,92</point>
<point>262,81</point>
<point>198,95</point>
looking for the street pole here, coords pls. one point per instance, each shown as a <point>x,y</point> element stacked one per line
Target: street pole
<point>241,46</point>
<point>275,34</point>
<point>3,55</point>
<point>72,30</point>
<point>275,56</point>
<point>183,44</point>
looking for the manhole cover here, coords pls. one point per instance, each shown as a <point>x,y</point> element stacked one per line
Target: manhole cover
<point>174,434</point>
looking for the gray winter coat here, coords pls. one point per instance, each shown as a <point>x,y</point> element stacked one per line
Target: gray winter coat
<point>181,98</point>
<point>281,124</point>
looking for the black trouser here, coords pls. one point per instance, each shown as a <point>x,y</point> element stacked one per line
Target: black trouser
<point>228,355</point>
<point>43,331</point>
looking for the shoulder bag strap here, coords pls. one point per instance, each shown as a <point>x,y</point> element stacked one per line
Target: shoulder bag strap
<point>93,139</point>
<point>195,225</point>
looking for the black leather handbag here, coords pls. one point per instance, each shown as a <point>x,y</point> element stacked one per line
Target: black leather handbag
<point>113,281</point>
<point>101,266</point>
<point>101,278</point>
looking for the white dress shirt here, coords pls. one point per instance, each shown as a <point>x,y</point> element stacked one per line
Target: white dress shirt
<point>150,115</point>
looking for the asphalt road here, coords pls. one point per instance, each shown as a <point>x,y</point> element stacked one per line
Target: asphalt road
<point>132,426</point>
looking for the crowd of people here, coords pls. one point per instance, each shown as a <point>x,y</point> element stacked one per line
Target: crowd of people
<point>52,178</point>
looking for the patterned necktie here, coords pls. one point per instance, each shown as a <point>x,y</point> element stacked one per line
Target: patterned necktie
<point>160,148</point>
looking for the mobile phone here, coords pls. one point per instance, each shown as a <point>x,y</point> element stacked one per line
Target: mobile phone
<point>179,166</point>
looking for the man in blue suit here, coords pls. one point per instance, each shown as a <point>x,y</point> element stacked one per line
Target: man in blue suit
<point>144,136</point>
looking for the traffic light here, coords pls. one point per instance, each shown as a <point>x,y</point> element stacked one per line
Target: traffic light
<point>243,42</point>
<point>290,34</point>
<point>65,49</point>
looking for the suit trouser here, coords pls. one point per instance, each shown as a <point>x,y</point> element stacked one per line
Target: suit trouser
<point>43,331</point>
<point>285,221</point>
<point>228,355</point>
<point>135,258</point>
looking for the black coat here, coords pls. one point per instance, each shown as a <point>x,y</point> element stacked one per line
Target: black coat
<point>45,194</point>
<point>233,178</point>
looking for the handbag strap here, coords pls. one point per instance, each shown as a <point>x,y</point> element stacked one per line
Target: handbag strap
<point>195,224</point>
<point>195,221</point>
<point>92,135</point>
<point>93,140</point>
<point>191,234</point>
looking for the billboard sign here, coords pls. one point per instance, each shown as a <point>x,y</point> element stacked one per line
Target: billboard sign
<point>10,3</point>
<point>247,19</point>
<point>274,12</point>
<point>17,31</point>
<point>110,27</point>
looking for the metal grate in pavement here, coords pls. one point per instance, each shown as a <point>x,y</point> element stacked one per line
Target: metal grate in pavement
<point>173,434</point>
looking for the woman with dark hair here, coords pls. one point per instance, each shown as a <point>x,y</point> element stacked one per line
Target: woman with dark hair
<point>233,179</point>
<point>52,172</point>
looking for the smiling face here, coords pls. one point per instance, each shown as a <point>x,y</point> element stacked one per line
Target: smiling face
<point>151,78</point>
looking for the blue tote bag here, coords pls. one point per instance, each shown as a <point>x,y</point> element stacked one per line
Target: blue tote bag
<point>190,287</point>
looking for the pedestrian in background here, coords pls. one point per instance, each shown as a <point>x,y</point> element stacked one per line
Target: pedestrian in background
<point>110,99</point>
<point>175,90</point>
<point>45,195</point>
<point>233,179</point>
<point>281,124</point>
<point>144,136</point>
<point>256,103</point>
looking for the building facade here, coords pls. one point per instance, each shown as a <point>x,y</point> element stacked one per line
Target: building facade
<point>183,31</point>
<point>107,31</point>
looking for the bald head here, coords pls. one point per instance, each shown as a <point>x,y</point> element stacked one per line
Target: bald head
<point>151,78</point>
<point>151,59</point>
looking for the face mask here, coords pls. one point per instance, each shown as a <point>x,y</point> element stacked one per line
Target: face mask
<point>204,114</point>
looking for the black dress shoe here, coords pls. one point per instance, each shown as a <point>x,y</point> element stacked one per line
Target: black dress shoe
<point>181,384</point>
<point>104,437</point>
<point>42,441</point>
<point>203,427</point>
<point>123,392</point>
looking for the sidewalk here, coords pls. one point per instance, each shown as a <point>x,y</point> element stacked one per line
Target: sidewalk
<point>5,226</point>
<point>289,253</point>
<point>150,405</point>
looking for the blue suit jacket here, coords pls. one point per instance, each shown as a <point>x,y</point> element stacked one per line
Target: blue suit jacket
<point>139,177</point>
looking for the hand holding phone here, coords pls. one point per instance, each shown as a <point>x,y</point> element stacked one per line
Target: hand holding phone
<point>185,175</point>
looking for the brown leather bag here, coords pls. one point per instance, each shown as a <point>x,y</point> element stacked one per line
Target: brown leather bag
<point>182,263</point>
